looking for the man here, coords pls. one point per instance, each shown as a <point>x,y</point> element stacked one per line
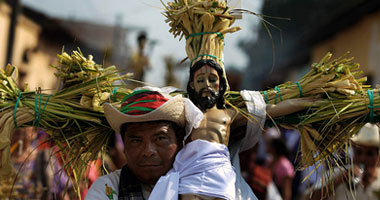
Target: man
<point>356,183</point>
<point>202,169</point>
<point>152,127</point>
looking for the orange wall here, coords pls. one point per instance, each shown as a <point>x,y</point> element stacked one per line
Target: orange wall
<point>362,39</point>
<point>4,26</point>
<point>38,72</point>
<point>27,34</point>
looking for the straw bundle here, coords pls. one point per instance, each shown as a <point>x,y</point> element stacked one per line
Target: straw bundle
<point>342,105</point>
<point>73,116</point>
<point>204,25</point>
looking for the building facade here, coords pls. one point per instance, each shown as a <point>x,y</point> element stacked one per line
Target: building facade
<point>362,40</point>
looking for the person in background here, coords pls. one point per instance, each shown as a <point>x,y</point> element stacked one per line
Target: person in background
<point>362,181</point>
<point>258,177</point>
<point>37,169</point>
<point>115,158</point>
<point>282,169</point>
<point>139,62</point>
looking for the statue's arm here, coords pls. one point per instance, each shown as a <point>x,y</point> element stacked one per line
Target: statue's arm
<point>276,110</point>
<point>288,106</point>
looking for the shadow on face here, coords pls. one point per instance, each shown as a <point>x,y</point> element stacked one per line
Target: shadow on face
<point>150,149</point>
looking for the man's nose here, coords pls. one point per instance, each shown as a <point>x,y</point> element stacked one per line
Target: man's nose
<point>149,149</point>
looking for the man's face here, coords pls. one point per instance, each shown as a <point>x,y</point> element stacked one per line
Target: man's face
<point>150,149</point>
<point>369,156</point>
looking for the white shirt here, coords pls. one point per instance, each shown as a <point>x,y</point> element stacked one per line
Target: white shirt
<point>97,190</point>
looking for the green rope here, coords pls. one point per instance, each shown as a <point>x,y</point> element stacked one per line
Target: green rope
<point>35,106</point>
<point>266,97</point>
<point>114,92</point>
<point>299,88</point>
<point>15,110</point>
<point>43,110</point>
<point>191,63</point>
<point>370,106</point>
<point>220,35</point>
<point>37,109</point>
<point>47,100</point>
<point>279,94</point>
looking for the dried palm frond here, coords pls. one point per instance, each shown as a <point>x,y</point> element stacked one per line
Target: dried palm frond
<point>73,116</point>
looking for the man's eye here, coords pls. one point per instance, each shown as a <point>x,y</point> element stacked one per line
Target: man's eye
<point>160,138</point>
<point>199,80</point>
<point>134,140</point>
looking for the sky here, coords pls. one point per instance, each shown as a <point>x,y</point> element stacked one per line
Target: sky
<point>146,15</point>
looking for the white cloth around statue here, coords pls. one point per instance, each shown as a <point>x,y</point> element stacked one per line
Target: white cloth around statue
<point>169,186</point>
<point>202,168</point>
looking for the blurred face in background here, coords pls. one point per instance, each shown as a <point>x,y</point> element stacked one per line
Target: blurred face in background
<point>366,155</point>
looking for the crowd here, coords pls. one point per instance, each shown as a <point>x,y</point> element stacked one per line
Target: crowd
<point>271,169</point>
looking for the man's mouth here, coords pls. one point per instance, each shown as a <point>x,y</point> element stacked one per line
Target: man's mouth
<point>149,165</point>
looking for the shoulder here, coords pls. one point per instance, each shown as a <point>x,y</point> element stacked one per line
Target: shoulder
<point>112,177</point>
<point>252,96</point>
<point>104,186</point>
<point>254,103</point>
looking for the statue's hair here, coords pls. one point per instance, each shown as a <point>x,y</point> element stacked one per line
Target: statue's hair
<point>222,81</point>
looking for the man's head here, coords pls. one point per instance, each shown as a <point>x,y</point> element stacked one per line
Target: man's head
<point>150,148</point>
<point>366,146</point>
<point>151,125</point>
<point>207,84</point>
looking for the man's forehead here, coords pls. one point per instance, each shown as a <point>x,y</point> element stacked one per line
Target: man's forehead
<point>147,128</point>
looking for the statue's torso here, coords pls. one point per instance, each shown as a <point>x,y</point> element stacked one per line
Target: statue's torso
<point>215,126</point>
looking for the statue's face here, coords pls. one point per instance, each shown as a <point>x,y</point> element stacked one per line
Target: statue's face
<point>206,81</point>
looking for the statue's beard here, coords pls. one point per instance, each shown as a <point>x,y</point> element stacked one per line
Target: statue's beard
<point>206,102</point>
